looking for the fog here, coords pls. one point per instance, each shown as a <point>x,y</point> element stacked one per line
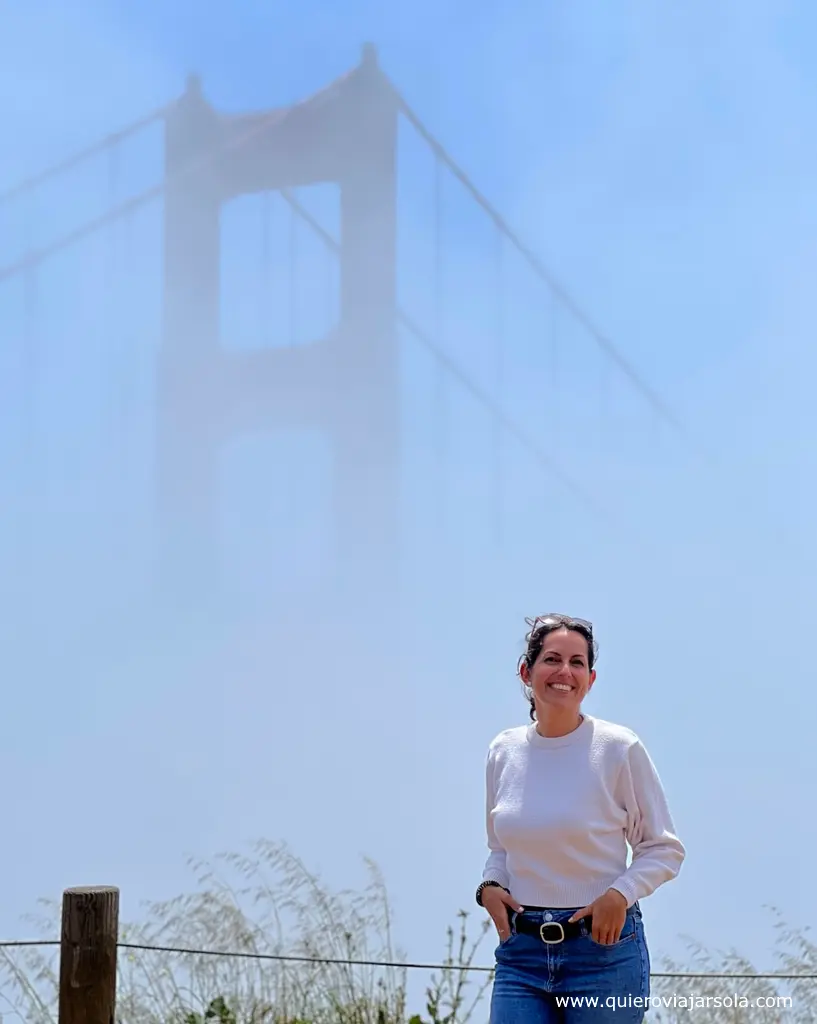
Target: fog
<point>315,637</point>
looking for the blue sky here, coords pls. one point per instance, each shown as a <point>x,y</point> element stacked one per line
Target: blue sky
<point>661,164</point>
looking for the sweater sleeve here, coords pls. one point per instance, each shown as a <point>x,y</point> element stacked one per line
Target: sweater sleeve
<point>657,851</point>
<point>495,867</point>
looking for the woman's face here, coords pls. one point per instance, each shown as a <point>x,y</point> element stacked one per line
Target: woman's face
<point>561,676</point>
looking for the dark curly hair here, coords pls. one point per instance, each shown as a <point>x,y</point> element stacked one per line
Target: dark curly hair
<point>540,627</point>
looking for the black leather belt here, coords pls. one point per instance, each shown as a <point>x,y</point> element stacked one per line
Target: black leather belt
<point>551,931</point>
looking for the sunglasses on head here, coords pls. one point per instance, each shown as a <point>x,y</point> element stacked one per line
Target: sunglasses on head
<point>554,619</point>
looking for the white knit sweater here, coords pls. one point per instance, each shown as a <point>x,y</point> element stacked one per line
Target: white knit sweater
<point>561,811</point>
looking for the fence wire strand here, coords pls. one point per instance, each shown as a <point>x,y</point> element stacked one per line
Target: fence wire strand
<point>287,957</point>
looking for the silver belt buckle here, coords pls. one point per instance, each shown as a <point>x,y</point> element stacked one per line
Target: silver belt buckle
<point>551,924</point>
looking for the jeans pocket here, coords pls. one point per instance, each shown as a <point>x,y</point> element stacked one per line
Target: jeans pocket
<point>511,936</point>
<point>628,934</point>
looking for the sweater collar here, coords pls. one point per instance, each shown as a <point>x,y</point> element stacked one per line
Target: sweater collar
<point>550,742</point>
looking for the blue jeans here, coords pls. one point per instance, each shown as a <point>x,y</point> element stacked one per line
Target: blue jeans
<point>575,981</point>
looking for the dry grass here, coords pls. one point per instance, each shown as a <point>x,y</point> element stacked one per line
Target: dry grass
<point>733,1001</point>
<point>268,903</point>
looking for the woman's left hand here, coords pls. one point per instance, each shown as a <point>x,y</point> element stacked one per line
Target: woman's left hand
<point>609,913</point>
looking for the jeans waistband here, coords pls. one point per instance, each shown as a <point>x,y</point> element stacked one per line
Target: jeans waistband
<point>562,913</point>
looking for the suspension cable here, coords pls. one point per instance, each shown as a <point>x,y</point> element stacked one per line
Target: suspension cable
<point>441,490</point>
<point>537,266</point>
<point>81,155</point>
<point>454,369</point>
<point>499,381</point>
<point>37,256</point>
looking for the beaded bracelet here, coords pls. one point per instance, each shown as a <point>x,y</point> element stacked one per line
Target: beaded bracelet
<point>484,885</point>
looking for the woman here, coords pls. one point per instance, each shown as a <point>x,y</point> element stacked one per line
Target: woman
<point>565,796</point>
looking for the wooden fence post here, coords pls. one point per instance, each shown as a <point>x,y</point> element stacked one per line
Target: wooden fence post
<point>90,931</point>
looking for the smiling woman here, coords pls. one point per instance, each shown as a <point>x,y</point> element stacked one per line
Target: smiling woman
<point>566,795</point>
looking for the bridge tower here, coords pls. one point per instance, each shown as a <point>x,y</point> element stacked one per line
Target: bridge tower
<point>345,384</point>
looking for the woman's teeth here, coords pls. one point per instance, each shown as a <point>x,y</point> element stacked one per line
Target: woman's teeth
<point>561,686</point>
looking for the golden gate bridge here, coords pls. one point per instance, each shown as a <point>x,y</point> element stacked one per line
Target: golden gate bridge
<point>324,274</point>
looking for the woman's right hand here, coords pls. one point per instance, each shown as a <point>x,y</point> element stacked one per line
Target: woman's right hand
<point>499,903</point>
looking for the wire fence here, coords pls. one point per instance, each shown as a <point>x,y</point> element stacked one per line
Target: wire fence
<point>173,984</point>
<point>403,964</point>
